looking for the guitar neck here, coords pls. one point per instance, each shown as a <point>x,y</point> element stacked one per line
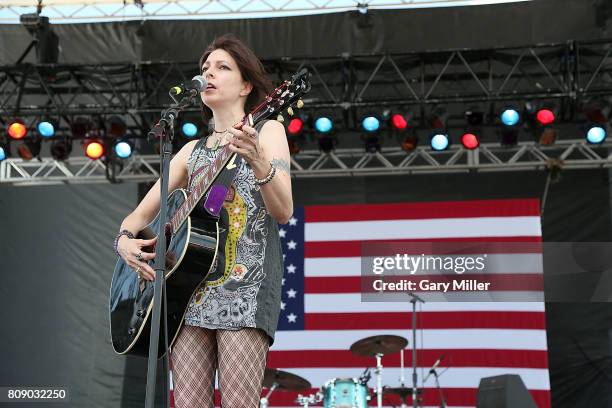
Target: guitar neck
<point>201,187</point>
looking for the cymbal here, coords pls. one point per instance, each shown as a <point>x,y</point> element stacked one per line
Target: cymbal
<point>285,380</point>
<point>383,344</point>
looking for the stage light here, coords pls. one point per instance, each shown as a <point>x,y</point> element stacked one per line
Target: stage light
<point>595,114</point>
<point>123,149</point>
<point>189,129</point>
<point>439,141</point>
<point>437,119</point>
<point>370,124</point>
<point>474,117</point>
<point>509,136</point>
<point>510,117</point>
<point>61,149</point>
<point>545,117</point>
<point>94,149</point>
<point>470,141</point>
<point>80,126</point>
<point>295,126</point>
<point>327,143</point>
<point>46,129</point>
<point>324,124</point>
<point>548,137</point>
<point>372,144</point>
<point>17,129</point>
<point>115,127</point>
<point>410,142</point>
<point>596,135</point>
<point>399,122</point>
<point>294,146</point>
<point>29,149</point>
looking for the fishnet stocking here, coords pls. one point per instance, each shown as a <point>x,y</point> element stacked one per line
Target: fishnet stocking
<point>194,359</point>
<point>241,359</point>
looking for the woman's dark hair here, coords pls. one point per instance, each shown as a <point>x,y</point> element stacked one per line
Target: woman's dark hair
<point>251,69</point>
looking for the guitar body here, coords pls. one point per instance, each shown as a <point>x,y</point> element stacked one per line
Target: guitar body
<point>190,254</point>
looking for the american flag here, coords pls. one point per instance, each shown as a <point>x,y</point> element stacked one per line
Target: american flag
<point>322,314</point>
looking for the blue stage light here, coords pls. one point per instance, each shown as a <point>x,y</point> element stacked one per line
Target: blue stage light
<point>510,117</point>
<point>46,129</point>
<point>370,124</point>
<point>189,129</point>
<point>439,141</point>
<point>323,125</point>
<point>123,149</point>
<point>596,135</point>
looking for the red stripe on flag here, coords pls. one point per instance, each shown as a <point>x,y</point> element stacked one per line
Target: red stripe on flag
<point>404,211</point>
<point>426,320</point>
<point>499,282</point>
<point>426,358</point>
<point>431,397</point>
<point>334,249</point>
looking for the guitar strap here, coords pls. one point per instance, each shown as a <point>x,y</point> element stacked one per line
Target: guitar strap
<point>221,187</point>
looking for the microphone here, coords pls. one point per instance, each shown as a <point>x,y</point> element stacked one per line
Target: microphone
<point>193,87</point>
<point>433,368</point>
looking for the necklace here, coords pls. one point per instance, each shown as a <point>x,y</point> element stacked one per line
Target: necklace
<point>218,141</point>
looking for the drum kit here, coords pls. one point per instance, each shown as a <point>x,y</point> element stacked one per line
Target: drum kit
<point>345,392</point>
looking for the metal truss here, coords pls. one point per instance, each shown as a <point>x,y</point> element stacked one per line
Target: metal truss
<point>566,74</point>
<point>565,155</point>
<point>77,11</point>
<point>345,87</point>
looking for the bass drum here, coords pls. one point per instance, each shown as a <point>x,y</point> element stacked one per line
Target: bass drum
<point>345,393</point>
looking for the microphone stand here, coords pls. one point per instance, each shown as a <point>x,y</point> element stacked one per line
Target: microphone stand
<point>414,299</point>
<point>442,401</point>
<point>164,130</point>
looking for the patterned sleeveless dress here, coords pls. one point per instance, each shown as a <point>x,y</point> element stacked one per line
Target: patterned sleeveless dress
<point>244,286</point>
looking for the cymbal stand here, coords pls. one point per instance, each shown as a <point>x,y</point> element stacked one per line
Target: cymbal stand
<point>263,402</point>
<point>402,376</point>
<point>378,372</point>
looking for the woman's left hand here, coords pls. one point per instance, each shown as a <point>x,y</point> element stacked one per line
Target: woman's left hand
<point>245,142</point>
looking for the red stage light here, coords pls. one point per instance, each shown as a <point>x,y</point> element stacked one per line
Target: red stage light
<point>399,122</point>
<point>470,141</point>
<point>17,130</point>
<point>545,117</point>
<point>295,126</point>
<point>94,149</point>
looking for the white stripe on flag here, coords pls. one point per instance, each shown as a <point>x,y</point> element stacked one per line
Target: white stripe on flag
<point>351,303</point>
<point>508,339</point>
<point>423,229</point>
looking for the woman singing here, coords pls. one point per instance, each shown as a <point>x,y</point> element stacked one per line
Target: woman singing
<point>232,317</point>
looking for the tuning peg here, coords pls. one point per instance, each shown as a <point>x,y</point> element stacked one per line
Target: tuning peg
<point>300,104</point>
<point>280,118</point>
<point>290,111</point>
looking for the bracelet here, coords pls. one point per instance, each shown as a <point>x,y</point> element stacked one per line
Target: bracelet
<point>116,242</point>
<point>271,173</point>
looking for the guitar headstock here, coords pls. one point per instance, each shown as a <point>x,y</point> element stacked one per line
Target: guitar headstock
<point>286,96</point>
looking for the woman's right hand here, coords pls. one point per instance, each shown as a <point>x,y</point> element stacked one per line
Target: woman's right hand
<point>132,253</point>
